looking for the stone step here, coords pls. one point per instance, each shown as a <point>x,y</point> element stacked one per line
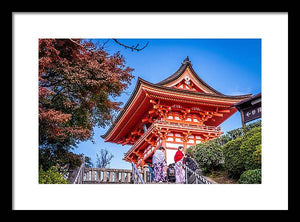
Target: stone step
<point>101,182</point>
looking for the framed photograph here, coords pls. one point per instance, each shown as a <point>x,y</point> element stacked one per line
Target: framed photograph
<point>183,103</point>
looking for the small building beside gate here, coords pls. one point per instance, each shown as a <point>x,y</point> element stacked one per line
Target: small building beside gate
<point>249,108</point>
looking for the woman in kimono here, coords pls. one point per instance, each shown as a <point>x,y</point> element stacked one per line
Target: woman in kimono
<point>158,162</point>
<point>179,170</point>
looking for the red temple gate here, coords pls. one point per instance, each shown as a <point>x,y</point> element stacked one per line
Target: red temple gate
<point>181,110</point>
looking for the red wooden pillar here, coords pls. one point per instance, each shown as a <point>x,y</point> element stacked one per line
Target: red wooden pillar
<point>184,146</point>
<point>184,139</point>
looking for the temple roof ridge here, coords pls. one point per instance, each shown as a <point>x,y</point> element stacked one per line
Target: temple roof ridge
<point>186,60</point>
<point>184,65</point>
<point>141,80</point>
<point>176,74</point>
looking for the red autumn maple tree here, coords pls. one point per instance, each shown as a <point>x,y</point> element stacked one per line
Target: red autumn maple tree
<point>77,81</point>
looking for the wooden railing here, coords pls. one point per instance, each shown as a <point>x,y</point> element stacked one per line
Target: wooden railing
<point>76,176</point>
<point>136,174</point>
<point>79,176</point>
<point>112,176</point>
<point>198,178</point>
<point>105,175</point>
<point>184,126</point>
<point>121,176</point>
<point>189,125</point>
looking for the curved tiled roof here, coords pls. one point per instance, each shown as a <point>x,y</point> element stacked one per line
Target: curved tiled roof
<point>140,81</point>
<point>219,95</point>
<point>186,63</point>
<point>161,85</point>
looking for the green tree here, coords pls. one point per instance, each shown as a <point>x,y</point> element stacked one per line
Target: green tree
<point>239,132</point>
<point>232,157</point>
<point>208,155</point>
<point>51,176</point>
<point>257,156</point>
<point>223,139</point>
<point>244,152</point>
<point>63,159</point>
<point>88,162</point>
<point>250,177</point>
<point>104,158</point>
<point>78,82</point>
<point>250,153</point>
<point>243,131</point>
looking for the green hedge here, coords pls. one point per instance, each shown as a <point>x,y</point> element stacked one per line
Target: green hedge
<point>243,153</point>
<point>250,177</point>
<point>239,132</point>
<point>250,154</point>
<point>253,131</point>
<point>240,149</point>
<point>233,161</point>
<point>257,156</point>
<point>51,176</point>
<point>209,155</point>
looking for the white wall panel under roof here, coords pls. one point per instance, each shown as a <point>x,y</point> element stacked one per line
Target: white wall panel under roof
<point>170,156</point>
<point>172,145</point>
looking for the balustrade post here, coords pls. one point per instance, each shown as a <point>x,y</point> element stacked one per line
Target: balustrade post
<point>98,175</point>
<point>128,177</point>
<point>116,176</point>
<point>93,175</point>
<point>140,172</point>
<point>136,175</point>
<point>186,176</point>
<point>145,174</point>
<point>110,176</point>
<point>82,175</point>
<point>122,177</point>
<point>87,175</point>
<point>79,178</point>
<point>104,176</point>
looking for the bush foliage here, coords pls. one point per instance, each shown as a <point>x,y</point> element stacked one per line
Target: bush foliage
<point>237,133</point>
<point>233,161</point>
<point>243,153</point>
<point>51,176</point>
<point>237,151</point>
<point>250,177</point>
<point>208,155</point>
<point>249,152</point>
<point>257,156</point>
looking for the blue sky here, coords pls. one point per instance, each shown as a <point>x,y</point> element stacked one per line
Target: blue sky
<point>231,66</point>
